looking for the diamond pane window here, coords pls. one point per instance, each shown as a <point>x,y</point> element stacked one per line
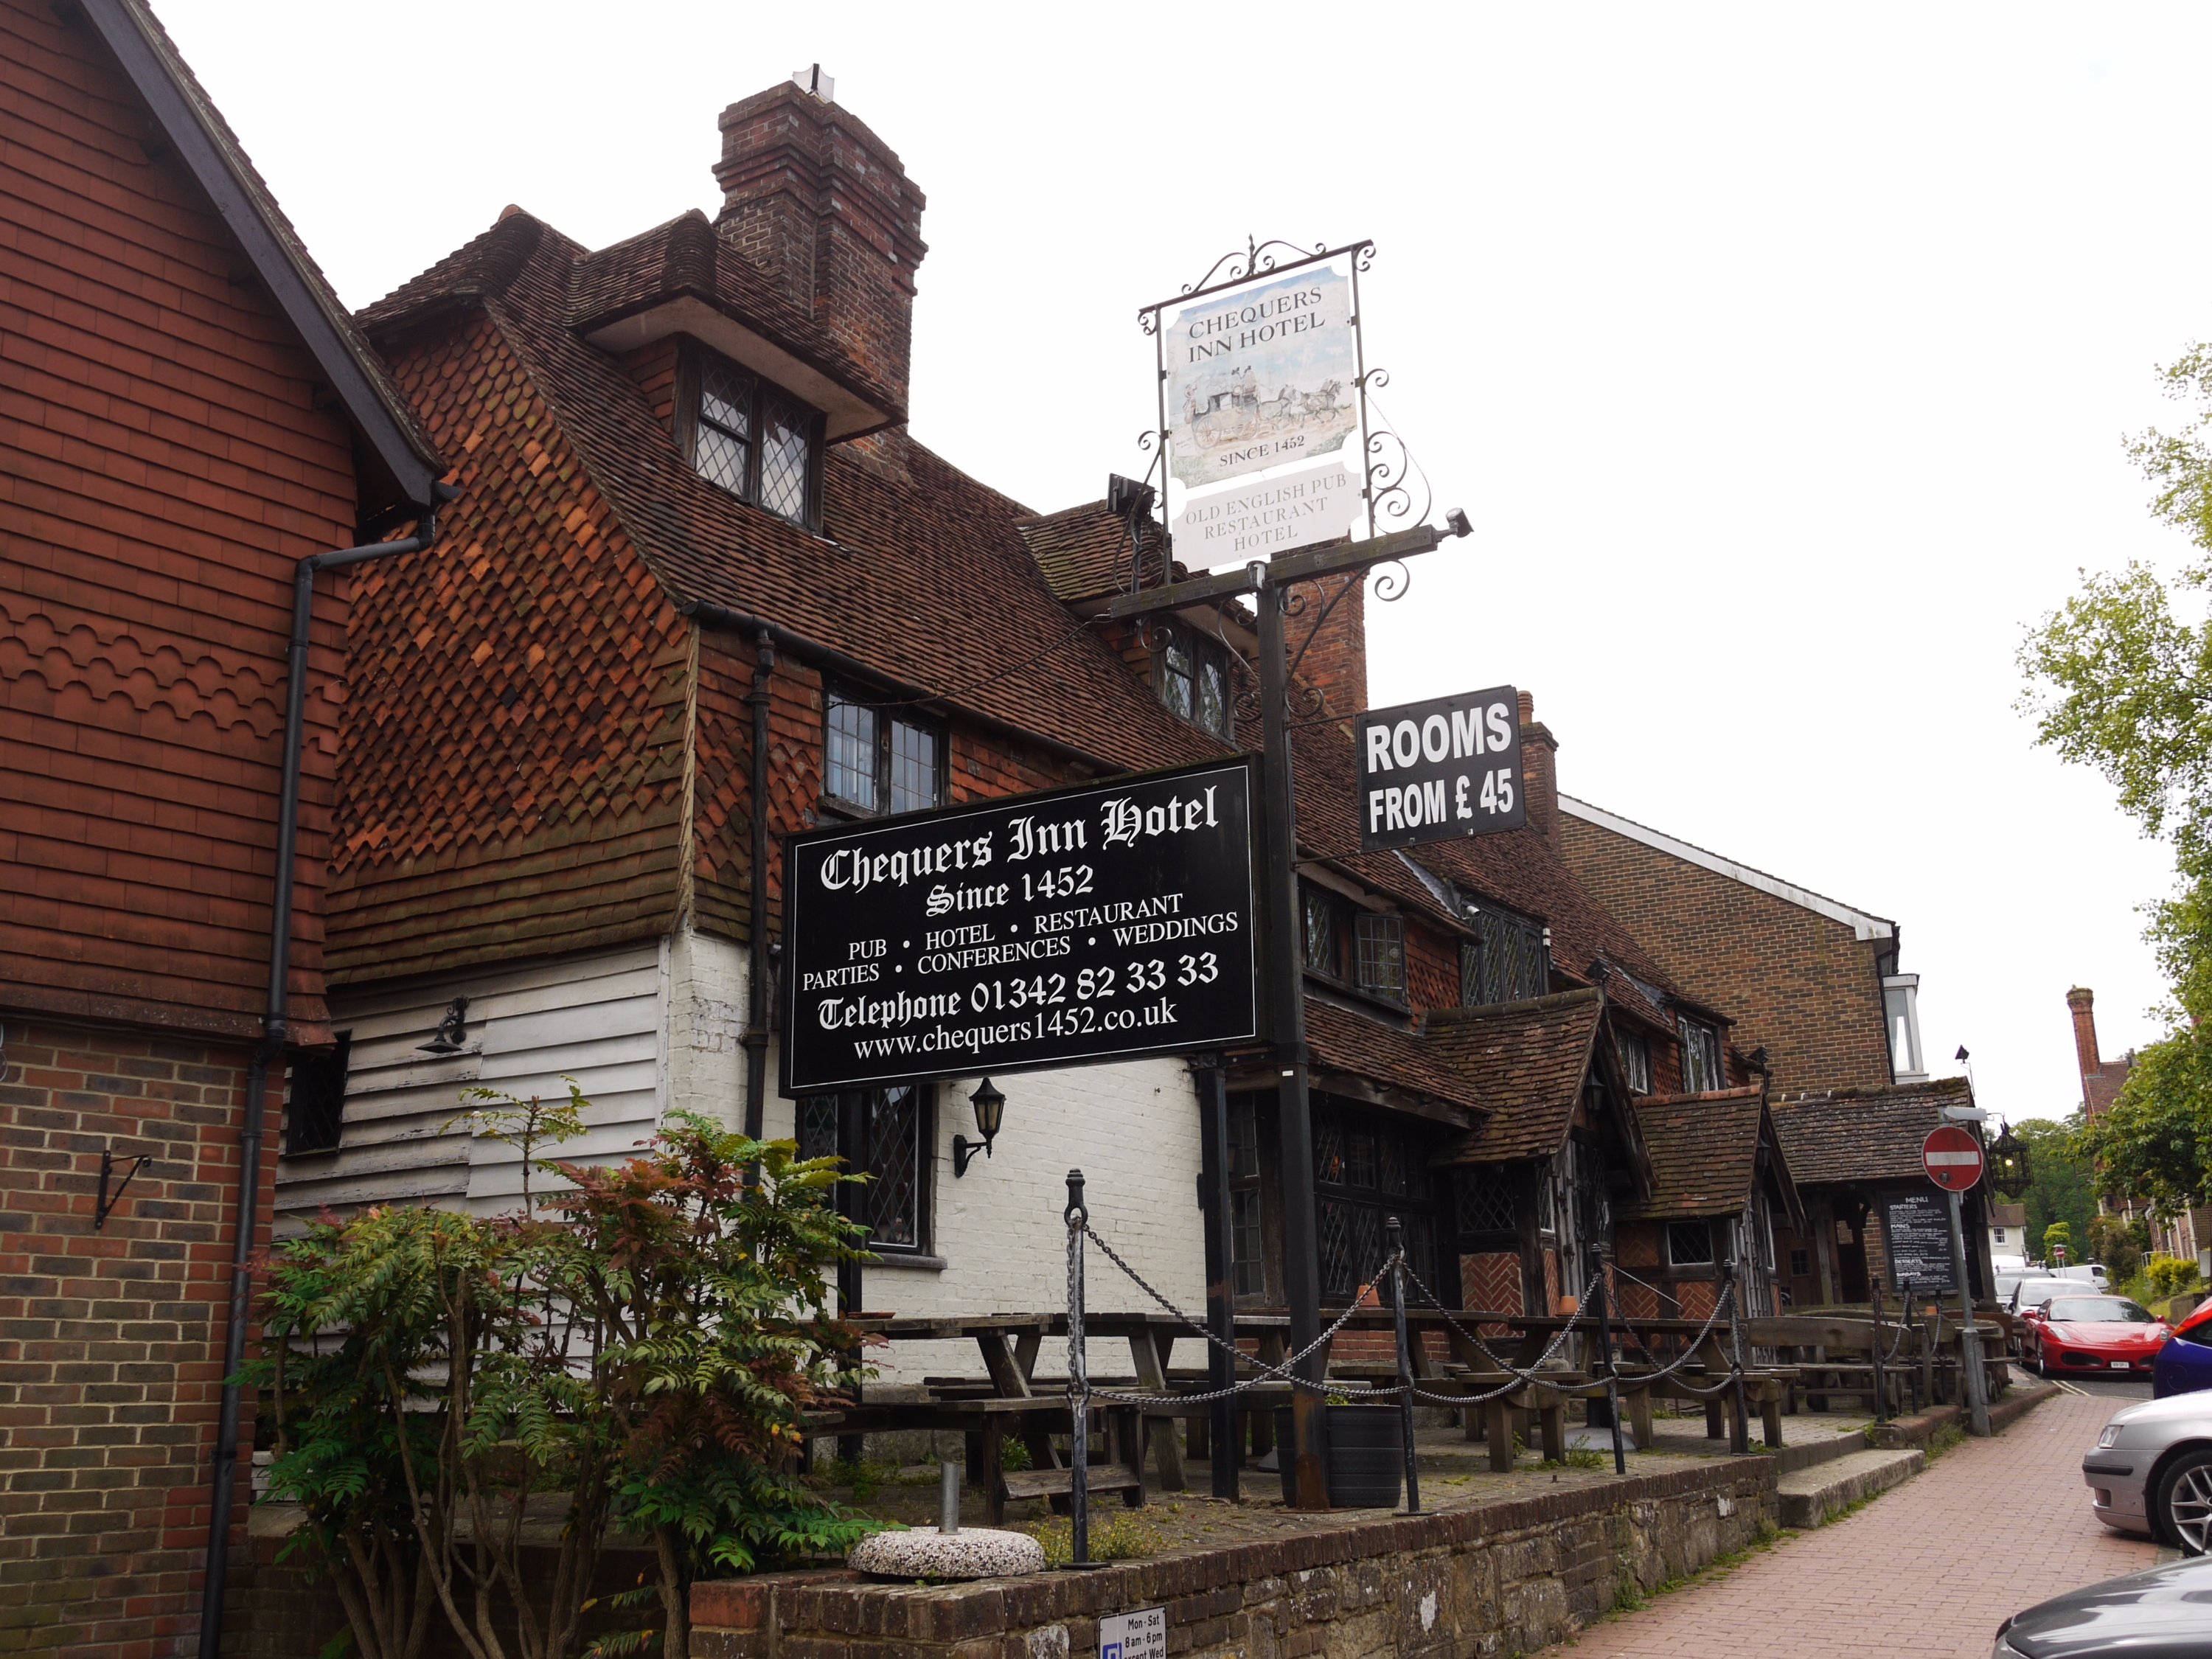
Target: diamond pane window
<point>818,1127</point>
<point>751,442</point>
<point>1689,1243</point>
<point>894,1197</point>
<point>1321,932</point>
<point>314,1117</point>
<point>1351,1249</point>
<point>1175,676</point>
<point>1212,710</point>
<point>1507,962</point>
<point>786,441</point>
<point>1244,1243</point>
<point>849,764</point>
<point>1328,1150</point>
<point>1486,1201</point>
<point>1635,1060</point>
<point>1243,1141</point>
<point>1382,955</point>
<point>913,767</point>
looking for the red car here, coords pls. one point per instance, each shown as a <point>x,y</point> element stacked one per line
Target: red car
<point>2088,1334</point>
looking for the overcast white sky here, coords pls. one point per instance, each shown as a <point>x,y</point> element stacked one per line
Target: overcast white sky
<point>1781,356</point>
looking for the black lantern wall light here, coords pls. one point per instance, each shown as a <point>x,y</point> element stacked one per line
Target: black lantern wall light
<point>2011,1169</point>
<point>990,1111</point>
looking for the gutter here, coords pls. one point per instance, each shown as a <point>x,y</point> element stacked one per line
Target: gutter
<point>272,1046</point>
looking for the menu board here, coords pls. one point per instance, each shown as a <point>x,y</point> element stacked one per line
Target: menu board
<point>1916,1228</point>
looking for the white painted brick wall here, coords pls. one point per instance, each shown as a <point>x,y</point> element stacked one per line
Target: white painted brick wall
<point>1132,1130</point>
<point>706,1022</point>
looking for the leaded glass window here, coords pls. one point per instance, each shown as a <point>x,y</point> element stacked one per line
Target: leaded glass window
<point>1321,932</point>
<point>873,761</point>
<point>893,1123</point>
<point>1369,1166</point>
<point>1701,1057</point>
<point>849,760</point>
<point>1194,680</point>
<point>1486,1201</point>
<point>1247,1241</point>
<point>913,767</point>
<point>1635,1060</point>
<point>314,1117</point>
<point>1689,1244</point>
<point>1507,961</point>
<point>750,441</point>
<point>1381,954</point>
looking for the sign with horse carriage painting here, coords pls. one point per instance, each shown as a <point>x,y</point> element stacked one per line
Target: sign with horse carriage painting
<point>1261,374</point>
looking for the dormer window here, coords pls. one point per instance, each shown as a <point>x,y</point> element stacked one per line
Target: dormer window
<point>1194,680</point>
<point>873,761</point>
<point>1701,1056</point>
<point>749,438</point>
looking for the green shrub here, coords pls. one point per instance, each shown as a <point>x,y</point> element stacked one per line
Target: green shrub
<point>2168,1275</point>
<point>1119,1536</point>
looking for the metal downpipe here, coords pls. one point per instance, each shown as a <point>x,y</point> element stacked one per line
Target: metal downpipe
<point>274,1040</point>
<point>756,1037</point>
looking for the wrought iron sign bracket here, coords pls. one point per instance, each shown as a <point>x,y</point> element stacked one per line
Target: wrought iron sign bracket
<point>1291,567</point>
<point>104,1206</point>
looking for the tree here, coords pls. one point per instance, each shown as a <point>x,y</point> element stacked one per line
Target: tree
<point>2121,680</point>
<point>2056,1237</point>
<point>637,1347</point>
<point>2058,1189</point>
<point>2112,1241</point>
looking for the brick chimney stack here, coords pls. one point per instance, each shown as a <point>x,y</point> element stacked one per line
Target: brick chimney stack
<point>1336,662</point>
<point>823,207</point>
<point>2082,1002</point>
<point>1540,779</point>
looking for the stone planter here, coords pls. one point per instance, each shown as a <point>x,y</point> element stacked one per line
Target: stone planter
<point>1366,1456</point>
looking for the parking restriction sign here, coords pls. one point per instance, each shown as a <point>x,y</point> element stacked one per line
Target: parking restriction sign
<point>1139,1635</point>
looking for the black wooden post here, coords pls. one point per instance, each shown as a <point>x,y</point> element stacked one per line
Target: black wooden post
<point>1732,1285</point>
<point>1287,1024</point>
<point>1881,1390</point>
<point>1227,1444</point>
<point>1394,1235</point>
<point>1612,1373</point>
<point>852,1203</point>
<point>1078,1379</point>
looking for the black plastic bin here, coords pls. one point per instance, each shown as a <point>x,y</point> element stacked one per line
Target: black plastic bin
<point>1366,1456</point>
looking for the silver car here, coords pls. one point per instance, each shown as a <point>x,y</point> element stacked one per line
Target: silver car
<point>2151,1471</point>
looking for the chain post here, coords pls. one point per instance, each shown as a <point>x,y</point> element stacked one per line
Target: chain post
<point>1740,1433</point>
<point>1612,1371</point>
<point>1393,1236</point>
<point>1881,1390</point>
<point>1078,1379</point>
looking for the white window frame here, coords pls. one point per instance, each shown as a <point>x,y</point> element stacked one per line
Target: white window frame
<point>1901,1017</point>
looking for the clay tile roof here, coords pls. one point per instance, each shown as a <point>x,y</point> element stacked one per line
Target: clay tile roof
<point>1084,552</point>
<point>1863,1135</point>
<point>1527,1061</point>
<point>1704,1153</point>
<point>2007,1215</point>
<point>1341,1040</point>
<point>211,151</point>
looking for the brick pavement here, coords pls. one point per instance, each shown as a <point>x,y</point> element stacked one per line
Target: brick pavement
<point>1931,1568</point>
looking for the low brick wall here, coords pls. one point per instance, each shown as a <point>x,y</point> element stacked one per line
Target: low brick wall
<point>1500,1579</point>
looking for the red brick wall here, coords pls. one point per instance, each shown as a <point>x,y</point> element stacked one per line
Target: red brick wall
<point>1796,983</point>
<point>1336,660</point>
<point>111,1340</point>
<point>166,466</point>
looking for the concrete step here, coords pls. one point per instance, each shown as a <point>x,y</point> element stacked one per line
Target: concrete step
<point>1809,1497</point>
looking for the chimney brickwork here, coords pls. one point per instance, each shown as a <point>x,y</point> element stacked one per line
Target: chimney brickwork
<point>824,209</point>
<point>1539,778</point>
<point>2100,1081</point>
<point>1336,662</point>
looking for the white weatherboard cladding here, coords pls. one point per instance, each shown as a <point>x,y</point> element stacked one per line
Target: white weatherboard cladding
<point>601,1019</point>
<point>1132,1128</point>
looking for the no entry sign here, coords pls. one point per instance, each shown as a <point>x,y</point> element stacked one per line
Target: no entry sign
<point>1952,1158</point>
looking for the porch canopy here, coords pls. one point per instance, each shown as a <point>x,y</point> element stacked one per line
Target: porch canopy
<point>1719,1181</point>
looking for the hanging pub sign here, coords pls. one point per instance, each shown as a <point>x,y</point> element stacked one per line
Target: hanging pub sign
<point>1064,928</point>
<point>1440,770</point>
<point>1263,404</point>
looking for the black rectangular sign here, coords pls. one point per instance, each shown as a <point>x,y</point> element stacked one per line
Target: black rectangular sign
<point>1917,1230</point>
<point>1440,770</point>
<point>1062,928</point>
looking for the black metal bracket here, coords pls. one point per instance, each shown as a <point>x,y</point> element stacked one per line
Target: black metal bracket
<point>105,1205</point>
<point>963,1153</point>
